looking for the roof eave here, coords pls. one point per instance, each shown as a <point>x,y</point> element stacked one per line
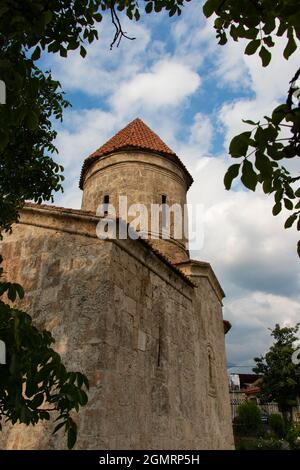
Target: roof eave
<point>94,157</point>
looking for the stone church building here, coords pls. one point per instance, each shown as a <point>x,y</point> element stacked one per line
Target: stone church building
<point>140,318</point>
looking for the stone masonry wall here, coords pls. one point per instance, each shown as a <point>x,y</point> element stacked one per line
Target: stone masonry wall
<point>143,177</point>
<point>133,324</point>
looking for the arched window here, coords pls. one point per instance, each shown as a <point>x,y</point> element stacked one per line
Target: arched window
<point>164,210</point>
<point>2,352</point>
<point>105,204</point>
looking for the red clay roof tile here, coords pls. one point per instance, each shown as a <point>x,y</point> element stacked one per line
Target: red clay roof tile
<point>135,135</point>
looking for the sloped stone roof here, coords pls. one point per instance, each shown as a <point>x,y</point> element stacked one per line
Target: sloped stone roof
<point>92,218</point>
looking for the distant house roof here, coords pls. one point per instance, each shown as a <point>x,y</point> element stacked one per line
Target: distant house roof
<point>252,390</point>
<point>247,379</point>
<point>136,135</point>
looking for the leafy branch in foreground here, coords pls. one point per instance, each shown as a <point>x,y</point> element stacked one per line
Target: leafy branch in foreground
<point>259,23</point>
<point>27,170</point>
<point>261,149</point>
<point>34,383</point>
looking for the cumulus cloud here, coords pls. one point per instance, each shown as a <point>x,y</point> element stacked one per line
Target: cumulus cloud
<point>199,141</point>
<point>166,84</point>
<point>247,245</point>
<point>256,313</point>
<point>268,86</point>
<point>92,75</point>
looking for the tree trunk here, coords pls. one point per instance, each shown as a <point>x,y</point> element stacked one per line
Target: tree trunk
<point>286,414</point>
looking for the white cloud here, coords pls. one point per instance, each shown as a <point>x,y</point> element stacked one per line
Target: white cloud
<point>252,316</point>
<point>245,243</point>
<point>166,84</point>
<point>267,85</point>
<point>102,71</point>
<point>199,140</point>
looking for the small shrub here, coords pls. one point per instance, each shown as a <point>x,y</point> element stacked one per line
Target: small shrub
<point>251,443</point>
<point>293,437</point>
<point>277,425</point>
<point>248,419</point>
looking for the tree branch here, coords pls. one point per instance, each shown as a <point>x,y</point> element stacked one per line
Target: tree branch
<point>119,34</point>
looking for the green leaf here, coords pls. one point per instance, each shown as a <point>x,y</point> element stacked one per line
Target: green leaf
<point>263,164</point>
<point>222,38</point>
<point>36,53</point>
<point>289,222</point>
<point>37,401</point>
<point>86,381</point>
<point>239,145</point>
<point>149,7</point>
<point>59,426</point>
<point>279,113</point>
<point>250,33</point>
<point>82,51</point>
<point>31,388</point>
<point>269,41</point>
<point>98,17</point>
<point>48,16</point>
<point>137,15</point>
<point>288,204</point>
<point>158,7</point>
<point>231,173</point>
<point>72,377</point>
<point>31,120</point>
<point>3,139</point>
<point>79,379</point>
<point>63,52</point>
<point>252,47</point>
<point>4,286</point>
<point>249,177</point>
<point>252,123</point>
<point>72,436</point>
<point>277,208</point>
<point>73,45</point>
<point>267,186</point>
<point>12,292</point>
<point>82,397</point>
<point>209,7</point>
<point>282,29</point>
<point>44,415</point>
<point>20,291</point>
<point>290,47</point>
<point>270,25</point>
<point>265,56</point>
<point>278,195</point>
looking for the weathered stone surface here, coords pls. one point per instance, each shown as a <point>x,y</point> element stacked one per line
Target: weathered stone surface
<point>134,324</point>
<point>146,331</point>
<point>143,177</point>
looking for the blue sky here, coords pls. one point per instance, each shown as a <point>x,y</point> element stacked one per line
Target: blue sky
<point>194,94</point>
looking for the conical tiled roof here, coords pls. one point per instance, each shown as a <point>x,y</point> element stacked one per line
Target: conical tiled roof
<point>136,135</point>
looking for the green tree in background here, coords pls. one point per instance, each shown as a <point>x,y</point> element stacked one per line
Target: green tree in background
<point>280,375</point>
